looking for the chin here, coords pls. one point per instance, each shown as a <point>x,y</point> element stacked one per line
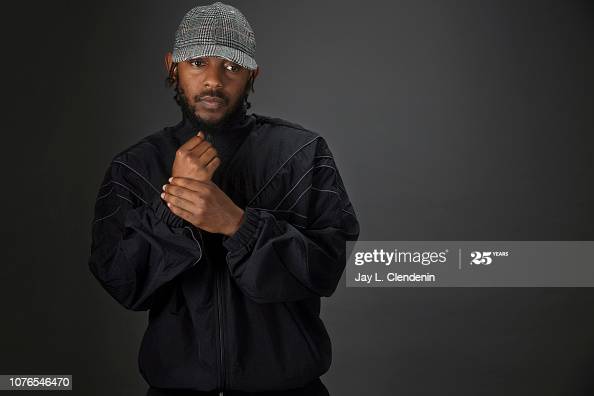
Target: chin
<point>209,118</point>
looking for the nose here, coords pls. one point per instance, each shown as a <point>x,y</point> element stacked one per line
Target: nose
<point>213,78</point>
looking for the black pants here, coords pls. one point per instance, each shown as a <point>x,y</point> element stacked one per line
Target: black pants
<point>314,388</point>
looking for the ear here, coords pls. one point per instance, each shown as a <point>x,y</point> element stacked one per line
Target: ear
<point>168,61</point>
<point>256,72</point>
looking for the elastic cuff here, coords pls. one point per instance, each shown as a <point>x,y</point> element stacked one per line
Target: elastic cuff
<point>164,213</point>
<point>246,231</point>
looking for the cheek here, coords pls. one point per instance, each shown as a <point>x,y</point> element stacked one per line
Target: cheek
<point>190,94</point>
<point>190,89</point>
<point>238,91</point>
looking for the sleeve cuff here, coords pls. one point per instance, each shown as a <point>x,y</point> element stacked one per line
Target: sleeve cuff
<point>163,212</point>
<point>245,233</point>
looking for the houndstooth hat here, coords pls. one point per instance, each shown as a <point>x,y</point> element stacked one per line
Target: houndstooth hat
<point>215,30</point>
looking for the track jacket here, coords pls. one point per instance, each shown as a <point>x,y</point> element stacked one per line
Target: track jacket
<point>228,313</point>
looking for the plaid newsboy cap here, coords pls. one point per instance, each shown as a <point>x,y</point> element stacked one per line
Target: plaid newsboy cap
<point>215,30</point>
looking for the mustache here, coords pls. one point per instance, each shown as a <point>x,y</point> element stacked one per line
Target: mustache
<point>212,93</point>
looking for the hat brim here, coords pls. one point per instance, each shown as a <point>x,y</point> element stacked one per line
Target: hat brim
<point>181,54</point>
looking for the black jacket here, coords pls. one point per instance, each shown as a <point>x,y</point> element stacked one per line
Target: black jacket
<point>225,313</point>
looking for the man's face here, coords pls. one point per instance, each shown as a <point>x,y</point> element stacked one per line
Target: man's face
<point>212,87</point>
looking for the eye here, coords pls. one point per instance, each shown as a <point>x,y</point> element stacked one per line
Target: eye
<point>233,67</point>
<point>197,62</point>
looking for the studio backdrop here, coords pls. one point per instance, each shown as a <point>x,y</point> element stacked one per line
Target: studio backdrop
<point>449,121</point>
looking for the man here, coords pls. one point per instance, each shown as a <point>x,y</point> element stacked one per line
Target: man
<point>227,228</point>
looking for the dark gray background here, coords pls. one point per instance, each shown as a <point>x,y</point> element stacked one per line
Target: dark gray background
<point>465,120</point>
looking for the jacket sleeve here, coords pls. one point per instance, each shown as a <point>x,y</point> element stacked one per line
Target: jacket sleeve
<point>297,249</point>
<point>138,244</point>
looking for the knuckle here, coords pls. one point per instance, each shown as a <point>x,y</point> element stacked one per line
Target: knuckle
<point>181,153</point>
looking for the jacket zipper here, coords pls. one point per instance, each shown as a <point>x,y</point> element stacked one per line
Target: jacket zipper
<point>218,284</point>
<point>220,323</point>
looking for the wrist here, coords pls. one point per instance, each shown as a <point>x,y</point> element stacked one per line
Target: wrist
<point>247,233</point>
<point>236,223</point>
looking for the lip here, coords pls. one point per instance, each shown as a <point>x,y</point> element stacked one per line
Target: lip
<point>212,102</point>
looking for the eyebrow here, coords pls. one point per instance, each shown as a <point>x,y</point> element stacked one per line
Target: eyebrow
<point>206,56</point>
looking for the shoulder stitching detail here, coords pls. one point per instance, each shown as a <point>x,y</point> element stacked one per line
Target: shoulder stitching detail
<point>280,167</point>
<point>298,181</point>
<point>106,194</point>
<point>138,173</point>
<point>280,121</point>
<point>129,189</point>
<point>109,215</point>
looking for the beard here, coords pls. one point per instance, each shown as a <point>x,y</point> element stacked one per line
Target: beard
<point>209,128</point>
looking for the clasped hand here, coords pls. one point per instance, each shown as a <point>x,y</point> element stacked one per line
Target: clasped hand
<point>193,196</point>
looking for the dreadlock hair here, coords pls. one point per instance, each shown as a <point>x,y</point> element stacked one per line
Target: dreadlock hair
<point>172,77</point>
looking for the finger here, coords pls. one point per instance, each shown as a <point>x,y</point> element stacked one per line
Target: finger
<point>180,192</point>
<point>201,148</point>
<point>192,142</point>
<point>177,201</point>
<point>190,184</point>
<point>208,155</point>
<point>213,165</point>
<point>184,214</point>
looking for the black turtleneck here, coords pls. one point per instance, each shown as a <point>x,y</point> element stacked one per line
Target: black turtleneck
<point>226,139</point>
